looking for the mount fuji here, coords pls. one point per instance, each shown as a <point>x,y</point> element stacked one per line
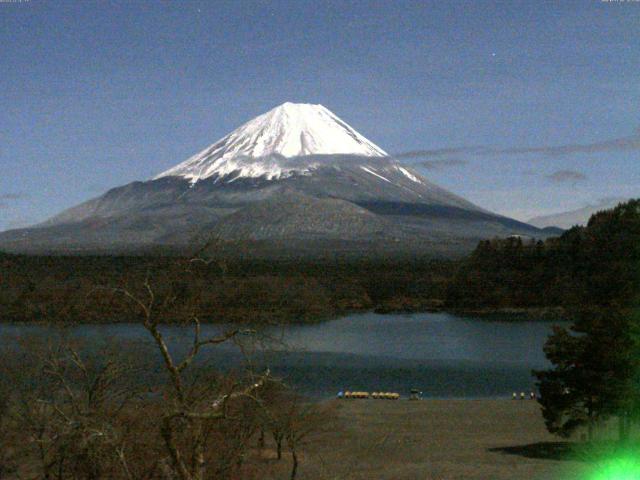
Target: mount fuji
<point>296,178</point>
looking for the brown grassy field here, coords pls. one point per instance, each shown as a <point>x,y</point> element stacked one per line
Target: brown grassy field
<point>438,439</point>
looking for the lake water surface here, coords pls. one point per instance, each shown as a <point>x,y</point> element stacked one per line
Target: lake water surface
<point>441,354</point>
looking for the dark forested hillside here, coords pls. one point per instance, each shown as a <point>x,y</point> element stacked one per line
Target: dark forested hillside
<point>600,258</point>
<point>596,361</point>
<point>89,288</point>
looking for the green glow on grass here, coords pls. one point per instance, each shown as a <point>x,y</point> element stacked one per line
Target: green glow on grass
<point>618,468</point>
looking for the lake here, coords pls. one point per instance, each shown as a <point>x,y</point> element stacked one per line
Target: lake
<point>442,355</point>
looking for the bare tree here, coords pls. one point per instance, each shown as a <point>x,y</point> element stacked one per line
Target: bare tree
<point>185,423</point>
<point>7,444</point>
<point>291,421</point>
<point>68,415</point>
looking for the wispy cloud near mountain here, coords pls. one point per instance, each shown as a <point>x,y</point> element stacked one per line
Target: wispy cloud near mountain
<point>6,199</point>
<point>440,152</point>
<point>620,144</point>
<point>566,176</point>
<point>441,164</point>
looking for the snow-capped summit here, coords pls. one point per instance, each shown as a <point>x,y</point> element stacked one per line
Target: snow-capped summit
<point>260,147</point>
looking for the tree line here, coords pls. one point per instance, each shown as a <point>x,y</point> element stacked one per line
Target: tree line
<point>49,288</point>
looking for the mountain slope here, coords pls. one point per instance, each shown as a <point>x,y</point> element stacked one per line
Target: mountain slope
<point>571,218</point>
<point>295,215</point>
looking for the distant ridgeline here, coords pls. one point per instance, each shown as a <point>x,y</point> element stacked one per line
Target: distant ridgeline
<point>602,258</point>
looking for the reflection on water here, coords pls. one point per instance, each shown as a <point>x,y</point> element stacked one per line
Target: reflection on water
<point>441,354</point>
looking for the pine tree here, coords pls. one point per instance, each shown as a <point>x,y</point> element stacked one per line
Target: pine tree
<point>596,363</point>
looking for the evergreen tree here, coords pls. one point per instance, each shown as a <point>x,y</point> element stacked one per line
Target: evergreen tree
<point>596,362</point>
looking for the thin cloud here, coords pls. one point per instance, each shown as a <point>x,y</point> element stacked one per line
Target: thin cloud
<point>7,199</point>
<point>439,152</point>
<point>622,144</point>
<point>565,176</point>
<point>12,196</point>
<point>441,164</point>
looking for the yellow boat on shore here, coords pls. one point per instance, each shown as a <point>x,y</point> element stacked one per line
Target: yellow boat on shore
<point>374,395</point>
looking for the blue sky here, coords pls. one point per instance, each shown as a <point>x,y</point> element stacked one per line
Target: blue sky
<point>94,95</point>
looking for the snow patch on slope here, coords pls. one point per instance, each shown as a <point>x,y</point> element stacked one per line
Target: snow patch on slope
<point>408,174</point>
<point>368,170</point>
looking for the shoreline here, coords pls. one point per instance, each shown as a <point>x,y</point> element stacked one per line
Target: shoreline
<point>537,314</point>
